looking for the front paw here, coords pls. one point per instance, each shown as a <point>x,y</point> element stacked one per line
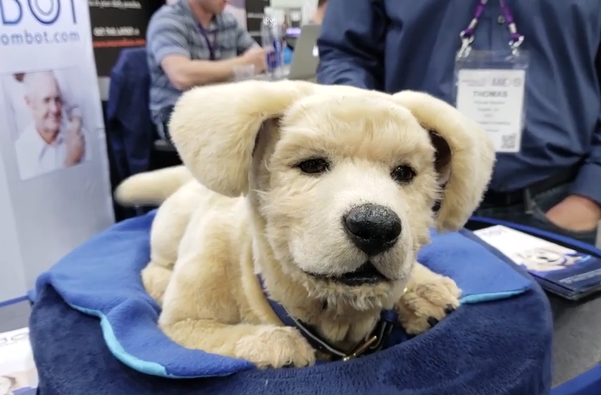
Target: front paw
<point>276,347</point>
<point>426,302</point>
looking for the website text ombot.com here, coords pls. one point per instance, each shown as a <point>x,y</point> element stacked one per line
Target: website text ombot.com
<point>38,38</point>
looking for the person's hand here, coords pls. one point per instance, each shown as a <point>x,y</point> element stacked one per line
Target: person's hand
<point>257,57</point>
<point>74,126</point>
<point>76,147</point>
<point>575,213</point>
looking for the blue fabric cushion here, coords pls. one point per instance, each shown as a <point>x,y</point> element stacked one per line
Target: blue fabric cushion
<point>500,338</point>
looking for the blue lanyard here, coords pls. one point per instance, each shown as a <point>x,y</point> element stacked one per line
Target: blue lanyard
<point>210,42</point>
<point>467,35</point>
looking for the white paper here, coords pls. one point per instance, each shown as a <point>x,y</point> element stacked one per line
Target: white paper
<point>532,252</point>
<point>18,373</point>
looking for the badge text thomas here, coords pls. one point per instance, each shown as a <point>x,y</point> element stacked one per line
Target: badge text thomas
<point>490,94</point>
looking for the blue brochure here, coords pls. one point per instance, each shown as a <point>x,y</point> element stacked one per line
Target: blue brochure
<point>558,269</point>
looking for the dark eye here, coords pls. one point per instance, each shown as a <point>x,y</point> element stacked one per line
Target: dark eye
<point>314,166</point>
<point>403,174</point>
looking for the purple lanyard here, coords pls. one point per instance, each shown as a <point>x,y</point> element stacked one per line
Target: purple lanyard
<point>210,42</point>
<point>515,38</point>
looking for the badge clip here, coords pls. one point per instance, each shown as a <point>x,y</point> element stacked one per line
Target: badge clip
<point>361,348</point>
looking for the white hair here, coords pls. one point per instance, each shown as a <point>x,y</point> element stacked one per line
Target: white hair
<point>32,81</point>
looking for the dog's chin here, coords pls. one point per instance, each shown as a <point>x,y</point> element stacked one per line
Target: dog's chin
<point>367,274</point>
<point>363,289</point>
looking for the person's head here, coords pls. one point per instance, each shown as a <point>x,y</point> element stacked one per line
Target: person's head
<point>43,97</point>
<point>211,6</point>
<point>321,4</point>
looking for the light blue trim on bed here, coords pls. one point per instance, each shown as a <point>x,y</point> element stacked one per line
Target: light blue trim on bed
<point>481,298</point>
<point>155,369</point>
<point>8,302</point>
<point>108,286</point>
<point>151,368</point>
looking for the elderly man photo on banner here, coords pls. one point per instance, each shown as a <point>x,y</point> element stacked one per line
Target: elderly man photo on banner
<point>526,71</point>
<point>48,133</point>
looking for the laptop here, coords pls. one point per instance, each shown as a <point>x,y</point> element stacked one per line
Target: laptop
<point>306,57</point>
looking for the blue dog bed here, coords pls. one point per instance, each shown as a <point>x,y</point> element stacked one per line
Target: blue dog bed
<point>497,342</point>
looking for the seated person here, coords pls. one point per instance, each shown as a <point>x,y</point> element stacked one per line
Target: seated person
<point>191,43</point>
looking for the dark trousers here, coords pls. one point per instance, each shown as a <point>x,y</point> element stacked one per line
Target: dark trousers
<point>531,212</point>
<point>162,123</point>
<point>163,130</point>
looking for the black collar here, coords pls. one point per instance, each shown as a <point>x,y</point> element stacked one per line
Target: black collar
<point>376,341</point>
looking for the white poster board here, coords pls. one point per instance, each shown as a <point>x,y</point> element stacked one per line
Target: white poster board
<point>54,180</point>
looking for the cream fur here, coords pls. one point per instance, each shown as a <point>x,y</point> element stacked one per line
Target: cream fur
<point>473,155</point>
<point>247,139</point>
<point>141,189</point>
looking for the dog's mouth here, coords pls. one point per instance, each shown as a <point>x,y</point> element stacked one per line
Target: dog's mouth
<point>366,274</point>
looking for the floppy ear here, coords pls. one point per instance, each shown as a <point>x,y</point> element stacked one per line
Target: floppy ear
<point>464,156</point>
<point>214,128</point>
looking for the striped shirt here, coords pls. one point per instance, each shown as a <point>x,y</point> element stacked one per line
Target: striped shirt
<point>173,30</point>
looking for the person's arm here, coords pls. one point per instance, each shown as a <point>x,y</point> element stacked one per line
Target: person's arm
<point>167,41</point>
<point>588,182</point>
<point>185,73</point>
<point>73,112</point>
<point>351,44</point>
<point>244,41</point>
<point>581,210</point>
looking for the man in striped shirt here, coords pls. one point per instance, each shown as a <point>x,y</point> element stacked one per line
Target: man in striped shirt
<point>191,43</point>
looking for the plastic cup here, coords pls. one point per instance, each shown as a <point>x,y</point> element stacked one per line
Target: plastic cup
<point>244,72</point>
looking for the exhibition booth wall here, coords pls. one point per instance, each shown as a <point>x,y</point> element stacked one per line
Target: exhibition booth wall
<point>56,58</point>
<point>54,178</point>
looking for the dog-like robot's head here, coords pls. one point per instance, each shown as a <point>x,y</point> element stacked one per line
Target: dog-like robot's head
<point>344,183</point>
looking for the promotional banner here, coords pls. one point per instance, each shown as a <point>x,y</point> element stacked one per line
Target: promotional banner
<point>54,181</point>
<point>118,24</point>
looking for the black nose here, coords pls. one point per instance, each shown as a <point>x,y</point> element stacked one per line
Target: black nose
<point>372,228</point>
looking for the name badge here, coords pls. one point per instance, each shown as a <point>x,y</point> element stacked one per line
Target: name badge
<point>494,98</point>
